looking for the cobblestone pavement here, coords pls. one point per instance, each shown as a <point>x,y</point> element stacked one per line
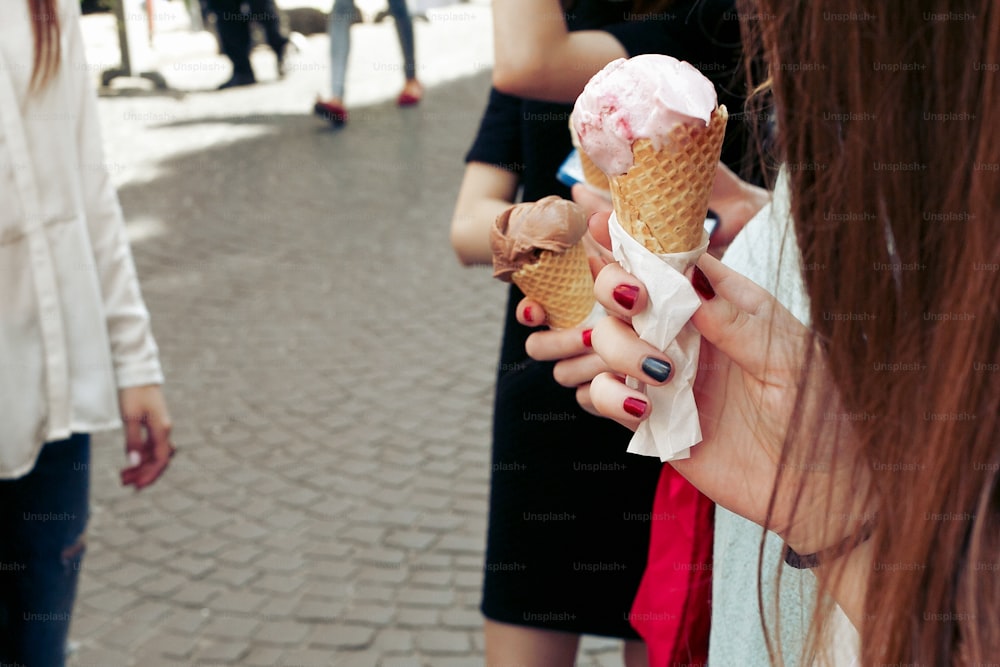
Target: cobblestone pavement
<point>329,364</point>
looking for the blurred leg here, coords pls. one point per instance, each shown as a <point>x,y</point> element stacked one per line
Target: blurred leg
<point>404,28</point>
<point>340,45</point>
<point>508,645</point>
<point>44,519</point>
<point>234,35</point>
<point>265,13</point>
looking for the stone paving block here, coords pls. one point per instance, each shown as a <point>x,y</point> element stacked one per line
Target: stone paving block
<point>282,632</point>
<point>462,619</point>
<point>431,501</point>
<point>161,584</point>
<point>244,531</point>
<point>116,537</point>
<point>231,576</point>
<point>207,545</point>
<point>264,656</point>
<point>344,569</point>
<point>285,519</point>
<point>173,533</point>
<point>186,621</point>
<point>431,561</point>
<point>239,602</point>
<point>381,557</point>
<point>231,626</point>
<point>88,656</point>
<point>299,497</point>
<point>410,539</point>
<point>369,614</point>
<point>207,518</point>
<point>341,637</point>
<point>197,593</point>
<point>86,623</point>
<point>273,562</point>
<point>337,590</point>
<point>101,559</point>
<point>241,554</point>
<point>432,578</point>
<point>325,549</point>
<point>150,611</point>
<point>111,601</point>
<point>456,661</point>
<point>391,640</point>
<point>401,661</point>
<point>318,610</point>
<point>443,641</point>
<point>466,562</point>
<point>391,498</point>
<point>308,658</point>
<point>280,584</point>
<point>169,645</point>
<point>419,618</point>
<point>439,521</point>
<point>148,553</point>
<point>192,566</point>
<point>221,652</point>
<point>461,543</point>
<point>468,580</point>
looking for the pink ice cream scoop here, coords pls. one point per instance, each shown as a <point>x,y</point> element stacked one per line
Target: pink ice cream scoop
<point>643,97</point>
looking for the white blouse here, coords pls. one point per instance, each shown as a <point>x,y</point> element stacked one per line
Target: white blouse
<point>73,326</point>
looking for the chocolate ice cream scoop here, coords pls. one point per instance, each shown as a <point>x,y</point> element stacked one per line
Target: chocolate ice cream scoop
<point>523,231</point>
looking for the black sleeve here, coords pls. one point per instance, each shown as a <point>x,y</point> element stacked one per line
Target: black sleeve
<point>498,141</point>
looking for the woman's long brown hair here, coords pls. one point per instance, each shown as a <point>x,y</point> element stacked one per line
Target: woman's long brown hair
<point>45,31</point>
<point>887,120</point>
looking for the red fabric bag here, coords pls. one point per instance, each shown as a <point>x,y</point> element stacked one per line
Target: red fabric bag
<point>673,606</point>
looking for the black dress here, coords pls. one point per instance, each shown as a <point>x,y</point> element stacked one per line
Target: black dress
<point>569,508</point>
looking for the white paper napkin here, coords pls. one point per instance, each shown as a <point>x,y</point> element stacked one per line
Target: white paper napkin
<point>672,427</point>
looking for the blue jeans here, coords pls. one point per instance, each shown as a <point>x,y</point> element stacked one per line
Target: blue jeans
<point>43,516</point>
<point>340,40</point>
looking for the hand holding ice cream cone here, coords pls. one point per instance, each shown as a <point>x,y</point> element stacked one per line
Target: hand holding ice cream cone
<point>539,247</point>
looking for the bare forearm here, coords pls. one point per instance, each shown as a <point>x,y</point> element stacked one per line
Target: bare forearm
<point>470,231</point>
<point>538,58</point>
<point>486,192</point>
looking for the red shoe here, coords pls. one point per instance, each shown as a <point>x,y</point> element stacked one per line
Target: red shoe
<point>412,93</point>
<point>333,113</point>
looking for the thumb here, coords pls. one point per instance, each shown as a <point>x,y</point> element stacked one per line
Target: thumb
<point>742,319</point>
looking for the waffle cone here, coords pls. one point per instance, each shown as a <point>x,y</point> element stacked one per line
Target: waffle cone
<point>592,173</point>
<point>663,198</point>
<point>562,283</point>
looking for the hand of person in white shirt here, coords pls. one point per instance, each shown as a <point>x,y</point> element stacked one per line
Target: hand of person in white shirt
<point>147,434</point>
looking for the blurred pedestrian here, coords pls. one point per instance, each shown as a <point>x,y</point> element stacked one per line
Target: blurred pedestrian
<point>76,351</point>
<point>233,26</point>
<point>342,17</point>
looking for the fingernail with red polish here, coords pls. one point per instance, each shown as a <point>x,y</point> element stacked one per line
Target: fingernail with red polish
<point>635,407</point>
<point>625,296</point>
<point>527,314</point>
<point>586,337</point>
<point>701,284</point>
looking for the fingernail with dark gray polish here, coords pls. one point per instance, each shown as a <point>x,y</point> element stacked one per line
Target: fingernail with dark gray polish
<point>657,369</point>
